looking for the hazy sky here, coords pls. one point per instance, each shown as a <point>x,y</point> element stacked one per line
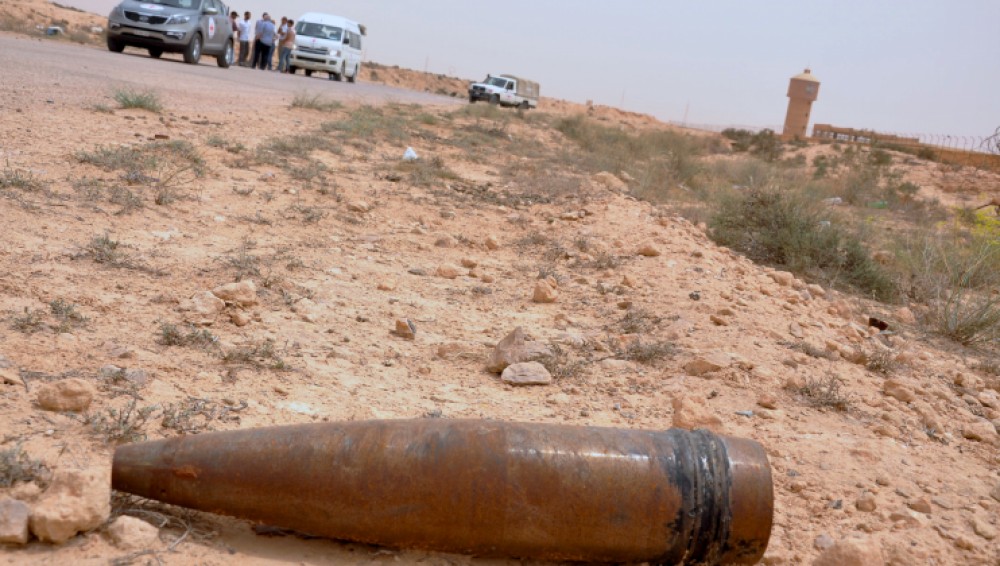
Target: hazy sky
<point>908,66</point>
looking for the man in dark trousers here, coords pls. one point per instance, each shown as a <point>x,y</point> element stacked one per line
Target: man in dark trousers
<point>258,47</point>
<point>265,38</point>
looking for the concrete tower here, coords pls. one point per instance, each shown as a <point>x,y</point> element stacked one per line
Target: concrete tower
<point>802,92</point>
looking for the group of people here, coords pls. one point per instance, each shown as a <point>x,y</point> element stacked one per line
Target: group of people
<point>266,35</point>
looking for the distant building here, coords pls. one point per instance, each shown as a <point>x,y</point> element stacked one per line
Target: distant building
<point>802,92</point>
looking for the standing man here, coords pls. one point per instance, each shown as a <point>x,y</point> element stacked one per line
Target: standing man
<point>282,29</point>
<point>258,48</point>
<point>287,44</point>
<point>266,39</point>
<point>244,36</point>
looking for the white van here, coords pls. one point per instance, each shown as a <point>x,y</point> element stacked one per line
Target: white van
<point>327,43</point>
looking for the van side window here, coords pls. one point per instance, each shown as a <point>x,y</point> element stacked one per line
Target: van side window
<point>355,40</point>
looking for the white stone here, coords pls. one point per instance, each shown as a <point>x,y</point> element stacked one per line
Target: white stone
<point>76,501</point>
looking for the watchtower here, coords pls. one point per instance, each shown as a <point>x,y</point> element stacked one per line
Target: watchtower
<point>802,92</point>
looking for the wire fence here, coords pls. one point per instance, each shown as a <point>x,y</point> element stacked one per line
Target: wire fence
<point>977,151</point>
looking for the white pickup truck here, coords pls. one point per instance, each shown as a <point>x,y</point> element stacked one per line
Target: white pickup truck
<point>505,90</point>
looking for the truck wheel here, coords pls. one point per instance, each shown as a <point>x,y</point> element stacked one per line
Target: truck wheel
<point>472,100</point>
<point>308,72</point>
<point>192,54</point>
<point>354,77</point>
<point>291,70</point>
<point>226,57</point>
<point>155,53</point>
<point>525,105</point>
<point>115,45</point>
<point>495,99</point>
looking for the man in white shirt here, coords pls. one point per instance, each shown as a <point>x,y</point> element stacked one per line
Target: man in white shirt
<point>244,29</point>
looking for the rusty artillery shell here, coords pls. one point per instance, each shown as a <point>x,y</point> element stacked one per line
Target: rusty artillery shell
<point>479,487</point>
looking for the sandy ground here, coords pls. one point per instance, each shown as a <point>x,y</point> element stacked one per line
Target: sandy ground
<point>340,280</point>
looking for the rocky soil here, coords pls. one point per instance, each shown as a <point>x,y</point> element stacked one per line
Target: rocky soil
<point>212,291</point>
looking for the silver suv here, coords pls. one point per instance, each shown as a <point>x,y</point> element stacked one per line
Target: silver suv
<point>191,27</point>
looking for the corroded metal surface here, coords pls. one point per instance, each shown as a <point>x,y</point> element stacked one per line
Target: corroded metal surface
<point>477,487</point>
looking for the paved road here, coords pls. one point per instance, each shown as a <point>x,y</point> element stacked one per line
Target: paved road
<point>43,69</point>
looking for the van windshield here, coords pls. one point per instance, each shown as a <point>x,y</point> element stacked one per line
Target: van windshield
<point>312,29</point>
<point>497,81</point>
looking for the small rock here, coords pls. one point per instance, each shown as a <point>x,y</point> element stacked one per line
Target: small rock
<point>965,543</point>
<point>980,430</point>
<point>852,552</point>
<point>130,533</point>
<point>120,352</point>
<point>823,542</point>
<point>984,529</point>
<point>767,401</point>
<point>796,330</point>
<point>242,293</point>
<point>816,290</point>
<point>448,351</point>
<point>405,328</point>
<point>692,413</point>
<point>545,292</point>
<point>72,394</point>
<point>14,517</point>
<point>469,263</point>
<point>865,503</point>
<point>921,505</point>
<point>307,310</point>
<point>516,348</point>
<point>240,318</point>
<point>448,271</point>
<point>905,316</point>
<point>491,243</point>
<point>137,376</point>
<point>648,250</point>
<point>703,365</point>
<point>995,492</point>
<point>895,389</point>
<point>202,308</point>
<point>76,501</point>
<point>943,503</point>
<point>526,373</point>
<point>609,181</point>
<point>718,320</point>
<point>359,206</point>
<point>782,278</point>
<point>386,286</point>
<point>10,377</point>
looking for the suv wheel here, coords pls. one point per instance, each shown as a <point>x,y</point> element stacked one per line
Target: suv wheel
<point>115,45</point>
<point>155,53</point>
<point>225,59</point>
<point>193,52</point>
